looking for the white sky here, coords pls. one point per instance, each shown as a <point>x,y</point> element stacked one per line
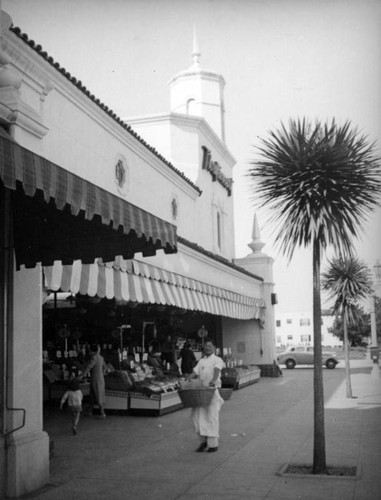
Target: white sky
<point>280,59</point>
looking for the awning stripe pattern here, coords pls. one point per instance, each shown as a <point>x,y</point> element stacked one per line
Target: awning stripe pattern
<point>64,188</point>
<point>135,281</point>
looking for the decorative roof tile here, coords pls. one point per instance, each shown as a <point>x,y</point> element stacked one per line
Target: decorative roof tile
<point>111,113</point>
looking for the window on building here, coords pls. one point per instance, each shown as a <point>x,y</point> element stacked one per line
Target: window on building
<point>241,347</point>
<point>174,208</point>
<point>289,321</point>
<point>121,175</point>
<point>190,106</point>
<point>290,337</point>
<point>278,322</point>
<point>219,230</point>
<point>279,339</point>
<point>305,322</point>
<point>304,338</point>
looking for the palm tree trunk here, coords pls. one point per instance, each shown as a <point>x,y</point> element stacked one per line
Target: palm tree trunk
<point>348,383</point>
<point>319,462</point>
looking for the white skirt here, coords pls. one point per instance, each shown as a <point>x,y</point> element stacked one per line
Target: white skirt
<point>206,418</point>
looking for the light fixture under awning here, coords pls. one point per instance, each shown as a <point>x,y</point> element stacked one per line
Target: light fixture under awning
<point>60,216</point>
<point>134,281</point>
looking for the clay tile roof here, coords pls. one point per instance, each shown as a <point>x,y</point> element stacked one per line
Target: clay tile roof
<point>105,108</point>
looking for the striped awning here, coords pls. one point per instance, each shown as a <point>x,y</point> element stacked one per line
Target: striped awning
<point>135,281</point>
<point>60,216</point>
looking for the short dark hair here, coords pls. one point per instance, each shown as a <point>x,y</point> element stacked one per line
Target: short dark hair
<point>73,385</point>
<point>208,339</point>
<point>155,346</point>
<point>94,347</point>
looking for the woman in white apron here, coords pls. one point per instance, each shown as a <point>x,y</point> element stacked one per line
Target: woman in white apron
<point>206,419</point>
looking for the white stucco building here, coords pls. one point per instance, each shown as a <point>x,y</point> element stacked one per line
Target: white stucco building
<point>296,328</point>
<point>136,213</point>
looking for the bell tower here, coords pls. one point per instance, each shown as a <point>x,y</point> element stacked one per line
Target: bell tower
<point>199,92</point>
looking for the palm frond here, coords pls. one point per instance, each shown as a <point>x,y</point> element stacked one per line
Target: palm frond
<point>347,280</point>
<point>320,182</point>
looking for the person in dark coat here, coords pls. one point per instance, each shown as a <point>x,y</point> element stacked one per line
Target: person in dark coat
<point>96,367</point>
<point>188,359</point>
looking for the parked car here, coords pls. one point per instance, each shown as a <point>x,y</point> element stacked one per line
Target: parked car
<point>304,355</point>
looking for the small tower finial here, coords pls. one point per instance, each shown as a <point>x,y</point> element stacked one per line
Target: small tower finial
<point>256,244</point>
<point>196,51</point>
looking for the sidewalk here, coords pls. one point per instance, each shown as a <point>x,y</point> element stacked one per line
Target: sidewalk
<point>366,388</point>
<point>263,427</point>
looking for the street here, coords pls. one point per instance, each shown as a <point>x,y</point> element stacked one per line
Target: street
<point>262,427</point>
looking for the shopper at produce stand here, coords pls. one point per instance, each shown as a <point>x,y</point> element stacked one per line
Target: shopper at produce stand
<point>188,359</point>
<point>96,367</point>
<point>206,419</point>
<point>154,359</point>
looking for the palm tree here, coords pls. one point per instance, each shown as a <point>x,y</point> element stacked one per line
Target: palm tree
<point>347,280</point>
<point>319,182</point>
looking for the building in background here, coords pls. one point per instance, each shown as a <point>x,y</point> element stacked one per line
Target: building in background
<point>296,328</point>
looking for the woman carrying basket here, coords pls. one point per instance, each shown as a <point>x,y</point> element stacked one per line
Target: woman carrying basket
<point>206,419</point>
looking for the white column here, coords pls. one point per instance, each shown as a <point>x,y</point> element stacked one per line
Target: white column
<point>27,447</point>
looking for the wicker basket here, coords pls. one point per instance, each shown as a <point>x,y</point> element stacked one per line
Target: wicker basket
<point>225,393</point>
<point>193,398</point>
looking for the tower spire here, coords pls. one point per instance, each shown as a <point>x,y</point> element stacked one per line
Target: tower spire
<point>199,92</point>
<point>256,244</point>
<point>196,51</point>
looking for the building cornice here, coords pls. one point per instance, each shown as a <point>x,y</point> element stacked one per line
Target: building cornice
<point>203,73</point>
<point>218,261</point>
<point>191,121</point>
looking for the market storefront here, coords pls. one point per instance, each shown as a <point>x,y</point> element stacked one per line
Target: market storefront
<point>127,307</point>
<point>48,214</point>
<point>60,233</point>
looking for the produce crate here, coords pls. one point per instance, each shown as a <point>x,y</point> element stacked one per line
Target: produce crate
<point>240,377</point>
<point>229,377</point>
<point>156,404</point>
<point>251,376</point>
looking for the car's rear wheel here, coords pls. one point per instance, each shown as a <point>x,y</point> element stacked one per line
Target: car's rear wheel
<point>330,363</point>
<point>290,364</point>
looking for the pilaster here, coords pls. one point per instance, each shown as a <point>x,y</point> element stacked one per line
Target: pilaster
<point>261,264</point>
<point>27,445</point>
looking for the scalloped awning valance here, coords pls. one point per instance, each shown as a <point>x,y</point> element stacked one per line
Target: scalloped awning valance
<point>135,281</point>
<point>58,215</point>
